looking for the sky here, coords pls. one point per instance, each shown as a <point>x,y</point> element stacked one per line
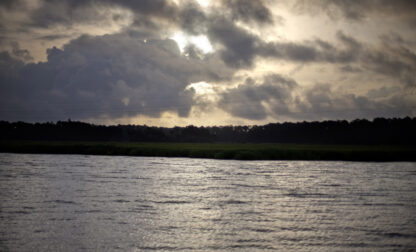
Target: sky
<point>206,62</point>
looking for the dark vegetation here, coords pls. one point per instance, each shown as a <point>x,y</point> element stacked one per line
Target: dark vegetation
<point>358,132</point>
<point>268,151</point>
<point>359,140</point>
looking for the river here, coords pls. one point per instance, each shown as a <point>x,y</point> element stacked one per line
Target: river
<point>116,203</point>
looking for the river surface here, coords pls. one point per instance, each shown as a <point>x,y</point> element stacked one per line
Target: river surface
<point>107,203</point>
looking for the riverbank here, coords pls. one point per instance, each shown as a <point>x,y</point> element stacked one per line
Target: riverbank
<point>248,151</point>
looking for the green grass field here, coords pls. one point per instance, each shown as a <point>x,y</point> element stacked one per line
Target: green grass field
<point>219,150</point>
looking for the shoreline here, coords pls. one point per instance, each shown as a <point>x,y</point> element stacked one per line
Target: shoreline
<point>236,151</point>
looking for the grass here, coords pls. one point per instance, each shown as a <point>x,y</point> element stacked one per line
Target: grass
<point>219,150</point>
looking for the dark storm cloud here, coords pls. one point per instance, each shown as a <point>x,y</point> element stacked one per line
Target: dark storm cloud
<point>192,19</point>
<point>279,98</point>
<point>396,39</point>
<point>315,51</point>
<point>7,4</point>
<point>247,100</point>
<point>290,51</point>
<point>160,8</point>
<point>68,12</point>
<point>150,17</point>
<point>53,37</point>
<point>240,47</point>
<point>382,92</point>
<point>153,17</point>
<point>112,75</point>
<point>357,10</point>
<point>19,53</point>
<point>393,60</point>
<point>322,102</point>
<point>353,47</point>
<point>122,75</point>
<point>9,68</point>
<point>236,46</point>
<point>398,63</point>
<point>249,11</point>
<point>350,69</point>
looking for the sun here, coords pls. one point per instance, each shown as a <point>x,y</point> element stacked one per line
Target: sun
<point>201,42</point>
<point>203,3</point>
<point>201,88</point>
<point>180,39</point>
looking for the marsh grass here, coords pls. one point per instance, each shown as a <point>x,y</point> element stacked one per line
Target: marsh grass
<point>247,151</point>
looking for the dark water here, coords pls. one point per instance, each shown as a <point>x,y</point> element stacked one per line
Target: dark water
<point>97,203</point>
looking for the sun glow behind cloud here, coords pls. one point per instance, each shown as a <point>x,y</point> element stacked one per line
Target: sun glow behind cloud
<point>201,88</point>
<point>245,52</point>
<point>204,3</point>
<point>201,42</point>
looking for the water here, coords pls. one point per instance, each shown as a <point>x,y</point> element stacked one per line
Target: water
<point>98,203</point>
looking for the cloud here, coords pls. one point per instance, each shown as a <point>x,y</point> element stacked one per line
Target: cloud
<point>10,4</point>
<point>383,92</point>
<point>280,98</point>
<point>398,63</point>
<point>239,46</point>
<point>9,68</point>
<point>247,100</point>
<point>322,101</point>
<point>239,49</point>
<point>192,19</point>
<point>53,37</point>
<point>314,51</point>
<point>350,69</point>
<point>47,20</point>
<point>68,12</point>
<point>137,70</point>
<point>103,76</point>
<point>391,59</point>
<point>15,51</point>
<point>358,10</point>
<point>249,11</point>
<point>236,46</point>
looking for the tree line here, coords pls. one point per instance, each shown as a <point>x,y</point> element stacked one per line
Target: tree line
<point>359,131</point>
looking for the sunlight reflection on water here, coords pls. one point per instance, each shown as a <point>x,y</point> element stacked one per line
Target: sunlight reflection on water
<point>76,203</point>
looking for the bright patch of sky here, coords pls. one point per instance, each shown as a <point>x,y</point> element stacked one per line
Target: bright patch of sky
<point>201,42</point>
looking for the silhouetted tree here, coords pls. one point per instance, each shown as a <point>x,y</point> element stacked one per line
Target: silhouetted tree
<point>359,131</point>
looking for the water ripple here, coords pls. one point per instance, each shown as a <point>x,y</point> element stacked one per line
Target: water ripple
<point>97,203</point>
